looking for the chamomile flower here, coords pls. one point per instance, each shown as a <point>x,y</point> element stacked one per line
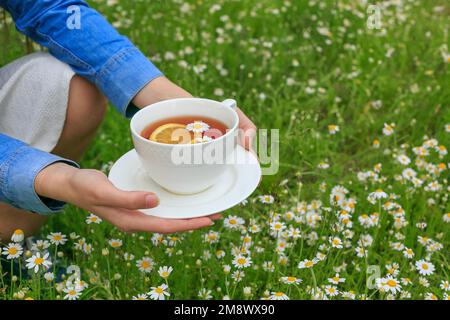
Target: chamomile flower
<point>378,194</point>
<point>159,293</point>
<point>197,127</point>
<point>88,248</point>
<point>238,275</point>
<point>92,218</point>
<point>425,268</point>
<point>203,139</point>
<point>211,237</point>
<point>72,293</point>
<point>115,243</point>
<point>12,251</point>
<point>278,295</point>
<point>307,263</point>
<point>205,294</point>
<point>57,238</point>
<point>403,159</point>
<point>336,242</point>
<point>268,199</point>
<point>241,261</point>
<point>446,217</point>
<point>445,285</point>
<point>40,245</point>
<point>165,271</point>
<point>336,279</point>
<point>408,253</point>
<point>140,296</point>
<point>38,262</point>
<point>388,129</point>
<point>331,291</point>
<point>17,236</point>
<point>233,222</point>
<point>290,280</point>
<point>333,129</point>
<point>277,226</point>
<point>361,252</point>
<point>388,284</point>
<point>375,143</point>
<point>430,296</point>
<point>145,264</point>
<point>220,254</point>
<point>49,276</point>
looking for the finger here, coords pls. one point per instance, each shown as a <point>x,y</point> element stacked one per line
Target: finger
<point>134,221</point>
<point>110,196</point>
<point>215,216</point>
<point>248,130</point>
<point>171,226</point>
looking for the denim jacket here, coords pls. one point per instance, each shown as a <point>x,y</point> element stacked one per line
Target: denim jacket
<point>79,36</point>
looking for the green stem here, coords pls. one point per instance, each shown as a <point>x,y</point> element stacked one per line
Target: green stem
<point>314,280</point>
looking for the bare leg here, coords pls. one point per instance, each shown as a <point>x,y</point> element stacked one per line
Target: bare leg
<point>86,109</point>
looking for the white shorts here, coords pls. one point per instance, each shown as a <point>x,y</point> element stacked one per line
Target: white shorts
<point>34,94</point>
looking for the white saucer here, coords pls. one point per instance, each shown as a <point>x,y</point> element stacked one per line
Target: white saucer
<point>236,184</point>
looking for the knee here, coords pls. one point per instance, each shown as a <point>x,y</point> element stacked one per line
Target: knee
<point>87,106</point>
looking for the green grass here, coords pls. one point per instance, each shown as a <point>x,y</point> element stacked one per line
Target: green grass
<point>264,46</point>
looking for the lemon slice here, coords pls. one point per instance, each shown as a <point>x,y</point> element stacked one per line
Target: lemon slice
<point>171,133</point>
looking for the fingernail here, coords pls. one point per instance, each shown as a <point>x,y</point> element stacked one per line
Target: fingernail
<point>151,201</point>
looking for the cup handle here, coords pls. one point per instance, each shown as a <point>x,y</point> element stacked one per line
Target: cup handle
<point>230,103</point>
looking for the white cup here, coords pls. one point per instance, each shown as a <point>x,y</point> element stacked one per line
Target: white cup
<point>164,162</point>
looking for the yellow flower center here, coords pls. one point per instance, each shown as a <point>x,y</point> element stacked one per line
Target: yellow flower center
<point>241,261</point>
<point>164,274</point>
<point>18,232</point>
<point>39,261</point>
<point>12,250</point>
<point>336,279</point>
<point>291,279</point>
<point>309,264</point>
<point>392,283</point>
<point>336,242</point>
<point>279,294</point>
<point>159,290</point>
<point>424,266</point>
<point>145,264</point>
<point>232,221</point>
<point>72,292</point>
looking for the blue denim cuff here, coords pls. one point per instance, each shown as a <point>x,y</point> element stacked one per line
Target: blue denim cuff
<point>18,176</point>
<point>123,76</point>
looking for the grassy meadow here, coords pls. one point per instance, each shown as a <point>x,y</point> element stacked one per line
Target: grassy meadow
<point>359,208</point>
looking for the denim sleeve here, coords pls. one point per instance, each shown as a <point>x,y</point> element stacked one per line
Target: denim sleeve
<point>19,166</point>
<point>80,36</point>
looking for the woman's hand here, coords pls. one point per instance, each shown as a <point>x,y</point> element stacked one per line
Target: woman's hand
<point>92,191</point>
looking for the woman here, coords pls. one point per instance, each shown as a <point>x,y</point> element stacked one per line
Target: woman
<point>50,108</point>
